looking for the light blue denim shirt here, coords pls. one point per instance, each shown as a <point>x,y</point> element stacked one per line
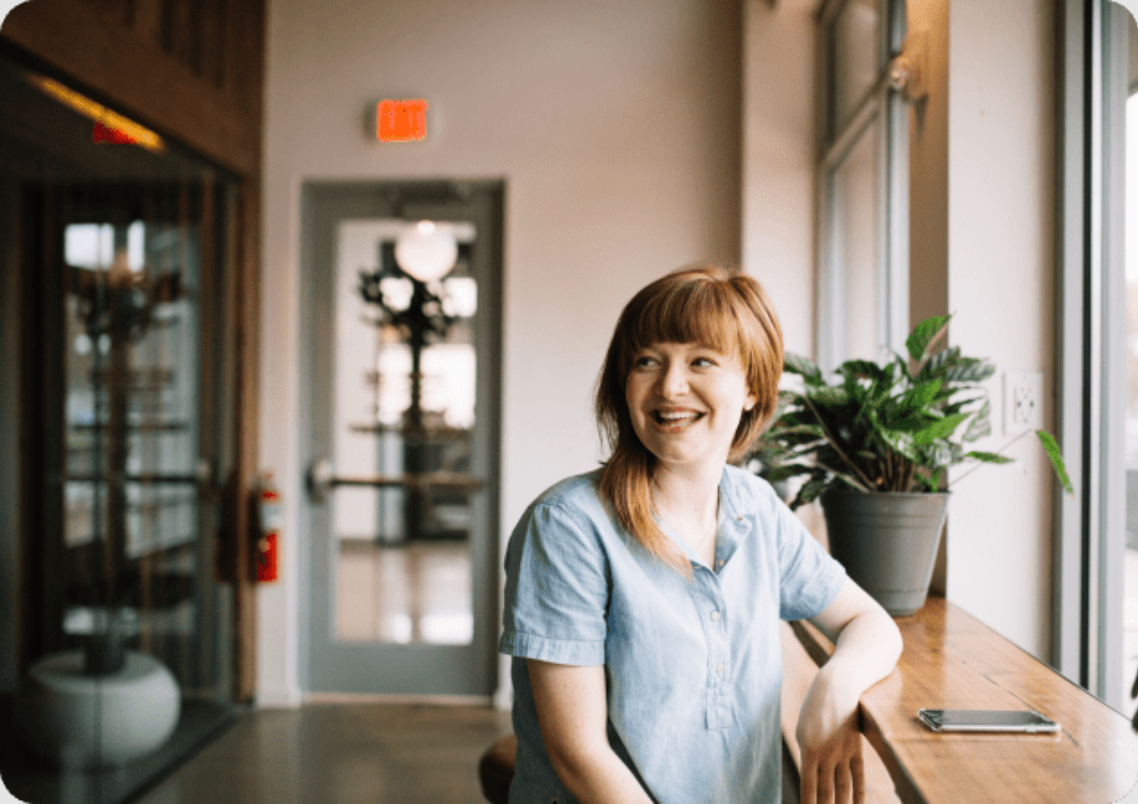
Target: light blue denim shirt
<point>693,670</point>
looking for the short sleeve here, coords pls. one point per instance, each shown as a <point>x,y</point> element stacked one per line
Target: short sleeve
<point>809,578</point>
<point>557,589</point>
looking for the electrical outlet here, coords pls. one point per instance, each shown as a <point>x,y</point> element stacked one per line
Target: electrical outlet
<point>1023,402</point>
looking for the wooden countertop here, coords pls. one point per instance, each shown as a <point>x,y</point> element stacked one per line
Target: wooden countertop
<point>953,661</point>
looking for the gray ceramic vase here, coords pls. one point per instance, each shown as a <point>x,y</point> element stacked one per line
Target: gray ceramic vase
<point>887,542</point>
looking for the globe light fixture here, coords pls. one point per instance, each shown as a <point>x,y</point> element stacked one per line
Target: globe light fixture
<point>425,252</point>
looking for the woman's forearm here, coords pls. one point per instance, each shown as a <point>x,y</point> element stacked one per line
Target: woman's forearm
<point>866,651</point>
<point>599,777</point>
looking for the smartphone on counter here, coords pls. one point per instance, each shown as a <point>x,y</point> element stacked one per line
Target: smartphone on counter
<point>1026,721</point>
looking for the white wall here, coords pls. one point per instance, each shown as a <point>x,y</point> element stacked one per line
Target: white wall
<point>778,161</point>
<point>1000,287</point>
<point>616,126</point>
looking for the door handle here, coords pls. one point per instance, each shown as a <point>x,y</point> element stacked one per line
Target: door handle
<point>322,479</point>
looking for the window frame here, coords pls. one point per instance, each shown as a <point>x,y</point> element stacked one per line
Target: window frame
<point>837,139</point>
<point>1090,528</point>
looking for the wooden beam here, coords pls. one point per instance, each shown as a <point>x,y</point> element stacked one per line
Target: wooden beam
<point>107,59</point>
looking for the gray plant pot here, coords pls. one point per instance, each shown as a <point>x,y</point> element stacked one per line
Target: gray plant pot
<point>887,542</point>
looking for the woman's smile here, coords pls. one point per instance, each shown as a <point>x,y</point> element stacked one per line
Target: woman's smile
<point>677,419</point>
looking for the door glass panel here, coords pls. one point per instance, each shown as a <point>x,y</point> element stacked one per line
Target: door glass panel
<point>856,243</point>
<point>403,413</point>
<point>856,35</point>
<point>131,330</point>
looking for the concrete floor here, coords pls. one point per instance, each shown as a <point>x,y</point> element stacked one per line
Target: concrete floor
<point>341,754</point>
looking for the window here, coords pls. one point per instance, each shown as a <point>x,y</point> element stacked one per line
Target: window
<point>863,277</point>
<point>1095,633</point>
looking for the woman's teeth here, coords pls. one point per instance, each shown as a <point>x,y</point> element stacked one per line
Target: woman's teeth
<point>677,419</point>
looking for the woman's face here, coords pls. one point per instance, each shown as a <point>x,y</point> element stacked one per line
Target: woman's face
<point>685,400</point>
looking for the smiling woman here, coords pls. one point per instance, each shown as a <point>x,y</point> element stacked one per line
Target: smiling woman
<point>643,599</point>
<point>705,308</point>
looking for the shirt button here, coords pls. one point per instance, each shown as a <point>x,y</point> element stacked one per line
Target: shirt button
<point>719,669</point>
<point>715,615</point>
<point>721,562</point>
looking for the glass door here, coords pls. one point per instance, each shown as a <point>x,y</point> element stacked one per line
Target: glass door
<point>402,378</point>
<point>119,251</point>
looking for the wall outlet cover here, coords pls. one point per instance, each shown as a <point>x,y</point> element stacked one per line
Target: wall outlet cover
<point>1023,402</point>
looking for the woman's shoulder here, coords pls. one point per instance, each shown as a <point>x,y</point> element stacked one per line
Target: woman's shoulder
<point>571,491</point>
<point>746,488</point>
<point>577,495</point>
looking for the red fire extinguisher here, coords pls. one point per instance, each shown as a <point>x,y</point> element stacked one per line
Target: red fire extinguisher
<point>270,516</point>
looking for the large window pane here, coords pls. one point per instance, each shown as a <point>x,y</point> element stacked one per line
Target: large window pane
<point>856,244</point>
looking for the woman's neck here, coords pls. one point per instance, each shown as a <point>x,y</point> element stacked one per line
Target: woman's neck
<point>686,499</point>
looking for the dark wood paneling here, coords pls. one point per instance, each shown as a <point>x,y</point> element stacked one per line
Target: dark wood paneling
<point>122,64</point>
<point>146,20</point>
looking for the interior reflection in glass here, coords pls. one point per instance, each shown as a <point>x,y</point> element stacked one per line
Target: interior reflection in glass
<point>404,401</point>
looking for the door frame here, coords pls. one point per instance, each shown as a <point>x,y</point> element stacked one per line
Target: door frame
<point>413,669</point>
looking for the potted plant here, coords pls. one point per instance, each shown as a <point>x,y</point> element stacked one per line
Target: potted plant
<point>873,446</point>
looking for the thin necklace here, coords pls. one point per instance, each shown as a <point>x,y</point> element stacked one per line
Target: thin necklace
<point>714,528</point>
<point>704,539</point>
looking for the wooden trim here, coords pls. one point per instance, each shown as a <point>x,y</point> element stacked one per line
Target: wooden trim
<point>111,61</point>
<point>248,346</point>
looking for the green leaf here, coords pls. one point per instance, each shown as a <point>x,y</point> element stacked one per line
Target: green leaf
<point>939,363</point>
<point>1052,450</point>
<point>807,369</point>
<point>829,396</point>
<point>810,491</point>
<point>989,457</point>
<point>923,336</point>
<point>786,472</point>
<point>853,369</point>
<point>921,395</point>
<point>931,484</point>
<point>980,425</point>
<point>941,429</point>
<point>915,422</point>
<point>900,442</point>
<point>969,369</point>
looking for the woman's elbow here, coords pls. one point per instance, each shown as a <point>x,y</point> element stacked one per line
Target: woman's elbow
<point>893,642</point>
<point>576,765</point>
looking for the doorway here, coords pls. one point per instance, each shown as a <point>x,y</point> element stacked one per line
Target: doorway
<point>400,375</point>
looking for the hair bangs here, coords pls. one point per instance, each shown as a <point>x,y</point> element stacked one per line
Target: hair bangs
<point>692,312</point>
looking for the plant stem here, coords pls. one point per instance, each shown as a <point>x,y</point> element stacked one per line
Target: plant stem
<point>826,431</point>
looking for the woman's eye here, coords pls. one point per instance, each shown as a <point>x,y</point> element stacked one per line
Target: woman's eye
<point>645,362</point>
<point>703,362</point>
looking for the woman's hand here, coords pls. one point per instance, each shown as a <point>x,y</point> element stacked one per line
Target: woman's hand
<point>866,646</point>
<point>830,739</point>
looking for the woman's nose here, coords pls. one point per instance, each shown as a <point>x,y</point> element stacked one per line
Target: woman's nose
<point>673,380</point>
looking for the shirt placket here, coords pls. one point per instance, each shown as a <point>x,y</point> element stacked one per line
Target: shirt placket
<point>709,600</point>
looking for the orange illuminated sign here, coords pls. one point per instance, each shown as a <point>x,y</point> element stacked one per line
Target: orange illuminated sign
<point>401,120</point>
<point>103,133</point>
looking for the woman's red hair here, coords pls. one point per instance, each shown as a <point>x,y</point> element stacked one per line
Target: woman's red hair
<point>706,304</point>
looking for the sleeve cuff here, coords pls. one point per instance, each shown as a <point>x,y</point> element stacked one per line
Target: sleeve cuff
<point>557,651</point>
